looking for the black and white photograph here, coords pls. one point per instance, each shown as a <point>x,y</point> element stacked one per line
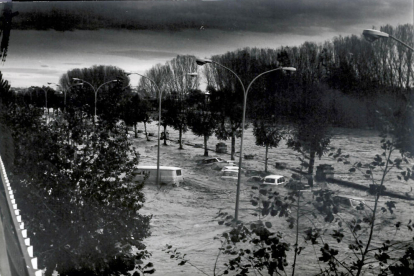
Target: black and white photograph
<point>207,138</point>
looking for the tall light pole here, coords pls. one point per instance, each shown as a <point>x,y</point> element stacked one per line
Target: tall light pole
<point>372,35</point>
<point>159,117</point>
<point>159,122</point>
<point>200,61</point>
<point>95,90</point>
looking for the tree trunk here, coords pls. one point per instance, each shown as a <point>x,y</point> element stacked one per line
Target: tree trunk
<point>180,136</point>
<point>267,150</point>
<point>135,130</point>
<point>310,169</point>
<point>205,145</point>
<point>233,145</point>
<point>145,129</point>
<point>165,135</point>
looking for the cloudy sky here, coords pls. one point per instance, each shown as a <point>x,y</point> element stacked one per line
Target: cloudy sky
<point>49,38</point>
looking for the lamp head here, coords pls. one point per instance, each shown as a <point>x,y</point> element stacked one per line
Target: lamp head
<point>291,69</point>
<point>372,35</point>
<point>202,61</point>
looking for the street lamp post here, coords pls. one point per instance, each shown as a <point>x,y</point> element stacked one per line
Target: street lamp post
<point>95,90</point>
<point>372,35</point>
<point>200,61</point>
<point>159,122</point>
<point>159,118</point>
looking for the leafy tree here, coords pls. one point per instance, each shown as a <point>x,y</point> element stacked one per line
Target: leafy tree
<point>405,264</point>
<point>201,119</point>
<point>154,84</point>
<point>176,114</point>
<point>78,198</point>
<point>366,245</point>
<point>96,76</point>
<point>130,113</point>
<point>311,135</point>
<point>111,103</point>
<point>229,115</point>
<point>145,108</point>
<point>137,110</point>
<point>175,82</point>
<point>267,136</point>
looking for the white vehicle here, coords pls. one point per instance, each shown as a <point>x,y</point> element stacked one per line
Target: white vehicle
<point>168,175</point>
<point>231,168</point>
<point>230,174</point>
<point>274,180</point>
<point>213,160</point>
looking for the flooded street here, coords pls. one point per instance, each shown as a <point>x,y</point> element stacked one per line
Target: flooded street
<point>186,217</point>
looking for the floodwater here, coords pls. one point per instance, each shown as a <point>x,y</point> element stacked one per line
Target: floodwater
<point>186,217</point>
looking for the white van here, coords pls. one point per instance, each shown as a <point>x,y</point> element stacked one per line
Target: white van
<point>168,175</point>
<point>274,180</point>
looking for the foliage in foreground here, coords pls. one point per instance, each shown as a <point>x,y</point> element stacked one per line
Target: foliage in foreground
<point>364,239</point>
<point>74,186</point>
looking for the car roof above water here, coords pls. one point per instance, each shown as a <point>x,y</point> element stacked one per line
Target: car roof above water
<point>275,176</point>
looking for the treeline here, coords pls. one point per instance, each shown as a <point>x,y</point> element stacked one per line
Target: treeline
<point>351,77</point>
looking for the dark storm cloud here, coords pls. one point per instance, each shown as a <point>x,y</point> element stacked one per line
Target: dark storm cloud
<point>32,71</point>
<point>142,54</point>
<point>267,16</point>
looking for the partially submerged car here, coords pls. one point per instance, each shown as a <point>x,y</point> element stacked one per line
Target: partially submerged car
<point>213,160</point>
<point>274,180</point>
<point>296,185</point>
<point>349,201</point>
<point>230,174</point>
<point>233,168</point>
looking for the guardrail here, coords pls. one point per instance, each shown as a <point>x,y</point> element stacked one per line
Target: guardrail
<point>16,253</point>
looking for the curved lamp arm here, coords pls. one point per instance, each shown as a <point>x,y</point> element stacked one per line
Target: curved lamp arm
<point>104,84</point>
<point>372,35</point>
<point>200,61</point>
<point>152,81</point>
<point>292,69</point>
<point>77,79</point>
